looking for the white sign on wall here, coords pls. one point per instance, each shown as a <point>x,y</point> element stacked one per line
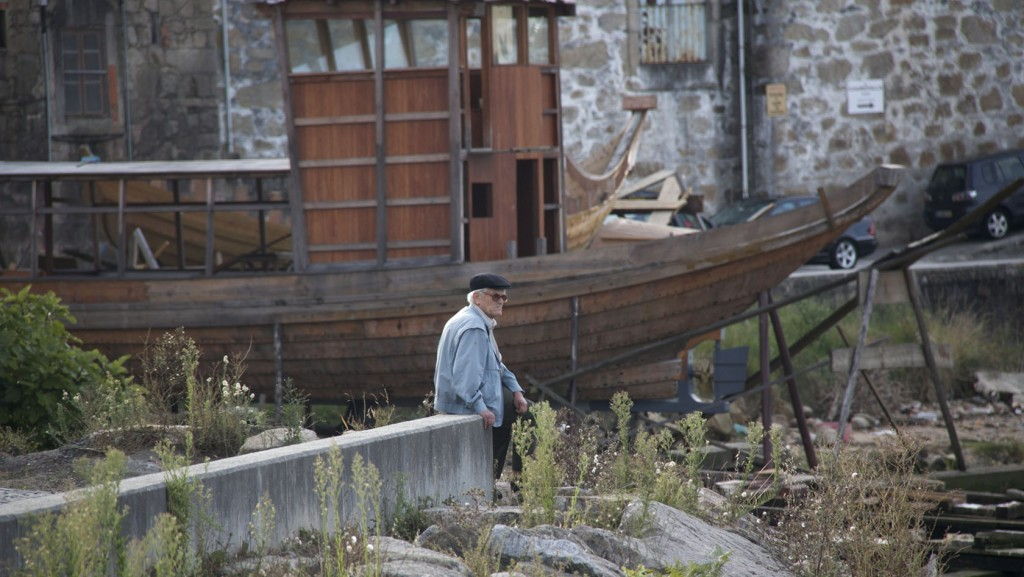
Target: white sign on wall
<point>865,97</point>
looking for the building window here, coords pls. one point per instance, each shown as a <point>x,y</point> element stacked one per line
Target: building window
<point>3,27</point>
<point>84,73</point>
<point>673,31</point>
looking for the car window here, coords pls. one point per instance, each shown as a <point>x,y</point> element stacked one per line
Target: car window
<point>948,179</point>
<point>739,212</point>
<point>788,204</point>
<point>988,172</point>
<point>1011,168</point>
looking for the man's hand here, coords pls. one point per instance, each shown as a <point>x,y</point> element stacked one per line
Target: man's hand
<point>488,418</point>
<point>520,402</point>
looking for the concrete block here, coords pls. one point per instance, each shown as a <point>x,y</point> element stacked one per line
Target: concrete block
<point>437,457</point>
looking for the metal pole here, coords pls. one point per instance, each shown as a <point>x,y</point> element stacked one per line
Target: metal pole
<point>933,371</point>
<point>794,393</point>
<point>33,232</point>
<point>851,380</point>
<point>766,394</point>
<point>210,237</point>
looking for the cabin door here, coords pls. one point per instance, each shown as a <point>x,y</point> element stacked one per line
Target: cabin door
<point>528,237</point>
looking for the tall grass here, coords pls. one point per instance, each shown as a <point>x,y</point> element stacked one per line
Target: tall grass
<point>541,474</point>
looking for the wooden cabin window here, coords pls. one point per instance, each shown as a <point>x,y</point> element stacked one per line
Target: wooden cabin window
<point>421,43</point>
<point>505,38</point>
<point>539,36</point>
<point>474,37</point>
<point>335,45</point>
<point>84,69</point>
<point>348,45</point>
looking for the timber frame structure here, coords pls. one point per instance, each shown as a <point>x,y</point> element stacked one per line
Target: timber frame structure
<point>422,131</point>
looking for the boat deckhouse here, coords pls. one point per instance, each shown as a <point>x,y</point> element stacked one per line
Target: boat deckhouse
<point>422,131</point>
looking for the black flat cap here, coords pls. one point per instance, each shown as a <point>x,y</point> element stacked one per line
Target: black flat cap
<point>488,280</point>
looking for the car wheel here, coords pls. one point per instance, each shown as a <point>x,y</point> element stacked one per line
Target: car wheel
<point>997,224</point>
<point>844,255</point>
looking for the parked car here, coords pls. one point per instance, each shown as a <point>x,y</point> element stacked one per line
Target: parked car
<point>843,253</point>
<point>956,188</point>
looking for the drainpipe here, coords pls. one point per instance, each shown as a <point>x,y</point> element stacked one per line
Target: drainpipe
<point>742,47</point>
<point>45,49</point>
<point>227,76</point>
<point>125,92</point>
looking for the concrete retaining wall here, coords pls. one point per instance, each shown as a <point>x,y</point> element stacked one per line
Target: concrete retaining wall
<point>436,457</point>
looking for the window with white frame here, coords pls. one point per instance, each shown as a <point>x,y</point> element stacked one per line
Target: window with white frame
<point>673,31</point>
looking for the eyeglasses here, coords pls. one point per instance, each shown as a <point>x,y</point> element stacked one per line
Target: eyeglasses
<point>498,298</point>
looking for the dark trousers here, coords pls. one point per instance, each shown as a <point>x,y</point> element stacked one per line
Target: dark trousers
<point>501,438</point>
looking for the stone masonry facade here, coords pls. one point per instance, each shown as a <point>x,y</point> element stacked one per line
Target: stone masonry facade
<point>952,72</point>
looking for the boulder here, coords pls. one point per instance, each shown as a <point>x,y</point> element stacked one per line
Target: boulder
<point>456,539</point>
<point>402,559</point>
<point>273,438</point>
<point>551,547</point>
<point>671,537</point>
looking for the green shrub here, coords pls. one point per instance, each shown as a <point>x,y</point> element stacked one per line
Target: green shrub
<point>40,361</point>
<point>15,442</point>
<point>712,568</point>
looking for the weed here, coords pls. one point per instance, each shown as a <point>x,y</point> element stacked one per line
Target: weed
<point>712,568</point>
<point>480,560</point>
<point>860,520</point>
<point>367,483</point>
<point>15,442</point>
<point>1004,451</point>
<point>409,520</point>
<point>166,366</point>
<point>85,539</point>
<point>585,446</point>
<point>680,487</point>
<point>541,474</point>
<point>163,552</point>
<point>762,486</point>
<point>220,411</point>
<point>293,411</point>
<point>621,406</point>
<point>261,528</point>
<point>327,477</point>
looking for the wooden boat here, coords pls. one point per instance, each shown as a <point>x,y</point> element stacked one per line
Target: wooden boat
<point>349,333</point>
<point>425,146</point>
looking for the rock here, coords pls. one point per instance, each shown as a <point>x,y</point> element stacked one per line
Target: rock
<point>720,424</point>
<point>504,515</point>
<point>273,438</point>
<point>860,422</point>
<point>620,550</point>
<point>456,539</point>
<point>402,559</point>
<point>549,546</point>
<point>672,536</point>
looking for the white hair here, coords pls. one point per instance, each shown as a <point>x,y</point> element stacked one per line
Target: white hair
<point>469,295</point>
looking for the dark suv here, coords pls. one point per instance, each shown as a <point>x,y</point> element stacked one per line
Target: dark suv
<point>957,187</point>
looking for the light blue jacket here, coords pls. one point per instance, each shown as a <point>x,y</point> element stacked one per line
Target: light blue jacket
<point>469,375</point>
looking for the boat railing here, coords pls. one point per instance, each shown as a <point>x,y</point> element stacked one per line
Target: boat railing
<point>136,218</point>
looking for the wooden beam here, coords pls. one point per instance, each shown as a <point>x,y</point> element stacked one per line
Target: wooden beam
<point>455,183</point>
<point>897,356</point>
<point>381,156</point>
<point>300,259</point>
<point>851,379</point>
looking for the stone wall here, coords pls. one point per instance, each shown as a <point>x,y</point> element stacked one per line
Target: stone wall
<point>954,86</point>
<point>952,72</point>
<point>22,93</point>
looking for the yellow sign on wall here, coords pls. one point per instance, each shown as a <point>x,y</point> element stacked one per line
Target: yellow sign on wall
<point>776,99</point>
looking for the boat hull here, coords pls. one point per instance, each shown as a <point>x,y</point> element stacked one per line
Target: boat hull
<point>343,335</point>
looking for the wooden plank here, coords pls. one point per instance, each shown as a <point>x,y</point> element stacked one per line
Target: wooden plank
<point>640,102</point>
<point>152,169</point>
<point>898,356</point>
<point>634,205</point>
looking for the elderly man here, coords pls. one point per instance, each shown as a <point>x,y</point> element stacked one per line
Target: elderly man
<point>469,374</point>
